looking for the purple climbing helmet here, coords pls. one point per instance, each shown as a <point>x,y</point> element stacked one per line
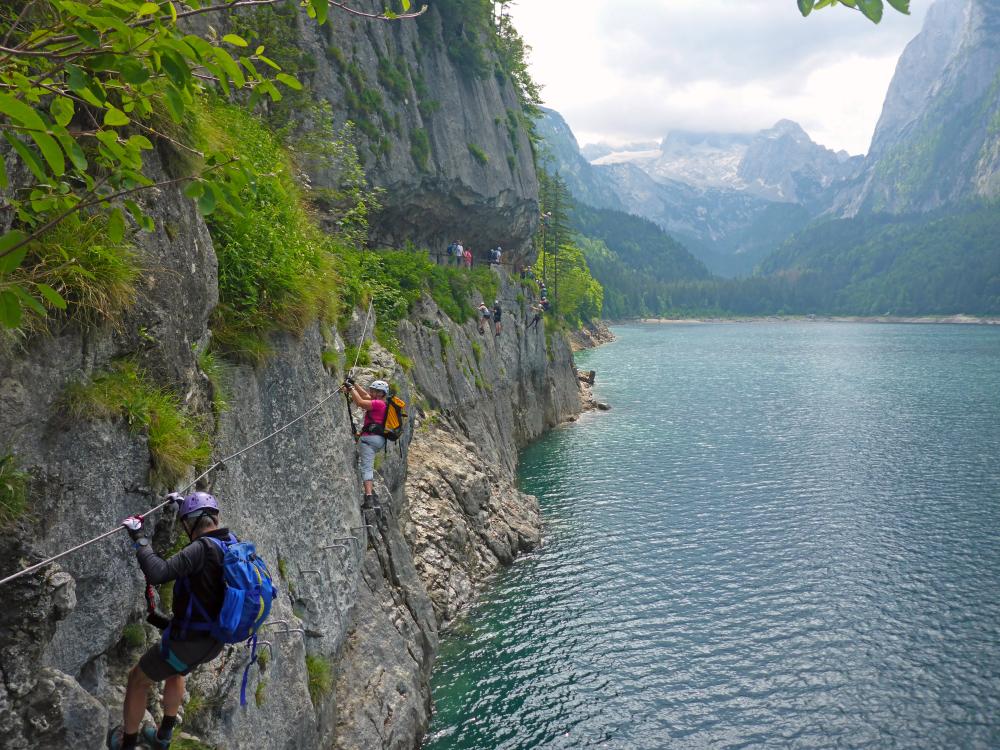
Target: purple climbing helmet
<point>197,501</point>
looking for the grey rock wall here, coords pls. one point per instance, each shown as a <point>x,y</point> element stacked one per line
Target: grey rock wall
<point>453,195</point>
<point>370,609</point>
<point>363,606</point>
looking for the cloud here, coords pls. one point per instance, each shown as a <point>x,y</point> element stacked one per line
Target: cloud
<point>624,70</point>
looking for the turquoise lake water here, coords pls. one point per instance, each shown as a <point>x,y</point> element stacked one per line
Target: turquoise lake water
<point>782,536</point>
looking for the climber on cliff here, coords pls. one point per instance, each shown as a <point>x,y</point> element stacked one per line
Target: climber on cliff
<point>371,441</point>
<point>497,313</point>
<point>484,316</point>
<point>198,578</point>
<point>537,310</point>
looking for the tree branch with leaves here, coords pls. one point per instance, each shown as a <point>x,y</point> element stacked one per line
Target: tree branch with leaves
<point>872,9</point>
<point>87,87</point>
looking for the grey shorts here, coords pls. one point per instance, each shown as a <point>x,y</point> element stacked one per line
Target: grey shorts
<point>368,446</point>
<point>181,658</point>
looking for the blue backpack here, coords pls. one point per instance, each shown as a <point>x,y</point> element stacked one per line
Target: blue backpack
<point>246,604</point>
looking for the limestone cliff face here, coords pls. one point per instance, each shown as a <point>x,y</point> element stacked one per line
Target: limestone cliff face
<point>447,145</point>
<point>361,605</point>
<point>937,141</point>
<point>368,602</point>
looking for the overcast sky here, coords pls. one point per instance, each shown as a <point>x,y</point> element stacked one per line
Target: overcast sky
<point>626,70</point>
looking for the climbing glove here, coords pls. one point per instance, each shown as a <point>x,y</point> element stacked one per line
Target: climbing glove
<point>133,525</point>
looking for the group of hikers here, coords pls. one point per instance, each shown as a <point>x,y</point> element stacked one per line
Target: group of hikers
<point>486,314</point>
<point>215,569</point>
<point>458,254</point>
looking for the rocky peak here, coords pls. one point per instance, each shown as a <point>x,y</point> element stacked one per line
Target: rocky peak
<point>918,71</point>
<point>783,163</point>
<point>937,141</point>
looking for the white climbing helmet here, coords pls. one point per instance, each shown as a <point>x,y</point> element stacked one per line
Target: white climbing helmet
<point>379,385</point>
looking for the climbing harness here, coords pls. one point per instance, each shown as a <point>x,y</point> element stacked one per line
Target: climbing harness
<point>209,470</point>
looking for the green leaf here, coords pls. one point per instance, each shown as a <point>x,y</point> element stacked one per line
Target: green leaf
<point>148,9</point>
<point>269,62</point>
<point>806,6</point>
<point>289,81</point>
<point>10,310</point>
<point>84,86</point>
<point>406,5</point>
<point>51,296</point>
<point>194,190</point>
<point>235,40</point>
<point>116,226</point>
<point>872,9</point>
<point>140,141</point>
<point>115,118</point>
<point>321,9</point>
<point>206,203</point>
<point>4,180</point>
<point>62,110</point>
<point>29,157</point>
<point>134,210</point>
<point>175,103</point>
<point>73,151</point>
<point>51,151</point>
<point>10,261</point>
<point>173,12</point>
<point>21,112</point>
<point>903,6</point>
<point>29,301</point>
<point>175,68</point>
<point>229,67</point>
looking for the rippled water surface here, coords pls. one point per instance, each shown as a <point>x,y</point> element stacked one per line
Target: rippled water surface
<point>782,535</point>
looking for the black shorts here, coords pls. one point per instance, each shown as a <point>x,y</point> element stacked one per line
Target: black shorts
<point>182,657</point>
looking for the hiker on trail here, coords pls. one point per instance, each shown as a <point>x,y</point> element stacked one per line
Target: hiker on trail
<point>484,316</point>
<point>497,312</point>
<point>197,574</point>
<point>459,253</point>
<point>468,257</point>
<point>371,441</point>
<point>544,304</point>
<point>450,252</point>
<point>495,259</point>
<point>538,310</point>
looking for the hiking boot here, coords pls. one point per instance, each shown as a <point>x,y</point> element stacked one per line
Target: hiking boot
<point>148,735</point>
<point>115,738</point>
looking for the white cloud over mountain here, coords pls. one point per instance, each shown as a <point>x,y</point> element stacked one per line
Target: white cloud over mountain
<point>635,69</point>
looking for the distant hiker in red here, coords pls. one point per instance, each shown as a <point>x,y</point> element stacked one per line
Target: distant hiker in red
<point>468,258</point>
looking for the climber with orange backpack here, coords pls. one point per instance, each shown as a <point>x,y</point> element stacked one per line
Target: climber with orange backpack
<point>384,417</point>
<point>222,594</point>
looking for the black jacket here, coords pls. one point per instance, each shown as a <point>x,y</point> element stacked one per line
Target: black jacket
<point>201,563</point>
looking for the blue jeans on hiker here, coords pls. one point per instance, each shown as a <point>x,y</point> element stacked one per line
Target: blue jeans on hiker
<point>368,446</point>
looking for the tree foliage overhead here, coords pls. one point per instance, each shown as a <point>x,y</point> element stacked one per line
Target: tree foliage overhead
<point>872,9</point>
<point>88,86</point>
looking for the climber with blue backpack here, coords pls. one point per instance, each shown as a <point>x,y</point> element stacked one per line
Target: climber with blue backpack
<point>222,594</point>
